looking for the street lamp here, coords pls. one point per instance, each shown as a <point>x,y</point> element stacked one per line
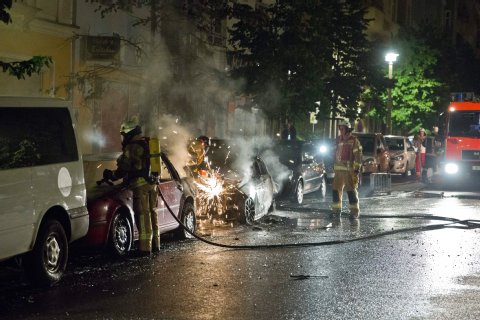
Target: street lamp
<point>390,57</point>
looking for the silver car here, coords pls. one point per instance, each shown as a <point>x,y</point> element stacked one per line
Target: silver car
<point>402,154</point>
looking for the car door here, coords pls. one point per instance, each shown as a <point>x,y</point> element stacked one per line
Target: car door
<point>410,152</point>
<point>383,159</point>
<point>310,168</point>
<point>169,187</point>
<point>263,185</point>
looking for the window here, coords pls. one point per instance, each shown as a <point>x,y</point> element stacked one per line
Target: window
<point>36,136</point>
<point>464,124</point>
<point>165,174</point>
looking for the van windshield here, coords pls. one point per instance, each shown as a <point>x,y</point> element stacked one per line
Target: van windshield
<point>464,124</point>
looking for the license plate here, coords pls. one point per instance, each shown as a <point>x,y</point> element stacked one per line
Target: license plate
<point>475,167</point>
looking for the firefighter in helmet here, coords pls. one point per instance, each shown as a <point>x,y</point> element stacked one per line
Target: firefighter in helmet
<point>133,166</point>
<point>198,149</point>
<point>348,162</point>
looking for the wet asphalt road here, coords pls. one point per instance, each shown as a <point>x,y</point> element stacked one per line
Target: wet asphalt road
<point>403,259</point>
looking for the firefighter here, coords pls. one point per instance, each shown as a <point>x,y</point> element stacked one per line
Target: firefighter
<point>133,166</point>
<point>348,162</point>
<point>198,149</point>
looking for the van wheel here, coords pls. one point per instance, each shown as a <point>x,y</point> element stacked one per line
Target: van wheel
<point>47,262</point>
<point>121,237</point>
<point>189,220</point>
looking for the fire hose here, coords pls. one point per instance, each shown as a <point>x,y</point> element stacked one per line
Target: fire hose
<point>453,223</point>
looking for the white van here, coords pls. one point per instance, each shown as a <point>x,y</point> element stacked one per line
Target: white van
<point>42,187</point>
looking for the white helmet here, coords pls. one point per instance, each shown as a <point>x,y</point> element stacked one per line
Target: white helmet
<point>345,123</point>
<point>129,125</point>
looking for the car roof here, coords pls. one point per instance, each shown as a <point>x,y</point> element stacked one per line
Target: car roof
<point>395,137</point>
<point>101,156</point>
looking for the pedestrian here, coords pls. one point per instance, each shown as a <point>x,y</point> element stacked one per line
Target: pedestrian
<point>348,162</point>
<point>419,144</point>
<point>289,133</point>
<point>133,166</point>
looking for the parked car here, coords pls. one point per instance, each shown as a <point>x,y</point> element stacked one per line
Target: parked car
<point>110,207</point>
<point>238,186</point>
<point>306,170</point>
<point>402,154</point>
<point>375,152</point>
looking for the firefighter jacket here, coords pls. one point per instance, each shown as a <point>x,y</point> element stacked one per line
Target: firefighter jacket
<point>197,155</point>
<point>133,164</point>
<point>348,154</point>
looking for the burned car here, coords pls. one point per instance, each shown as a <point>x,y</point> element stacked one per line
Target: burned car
<point>234,187</point>
<point>110,207</point>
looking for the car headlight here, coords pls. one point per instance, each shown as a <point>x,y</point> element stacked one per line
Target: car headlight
<point>323,149</point>
<point>290,175</point>
<point>398,158</point>
<point>451,168</point>
<point>252,191</point>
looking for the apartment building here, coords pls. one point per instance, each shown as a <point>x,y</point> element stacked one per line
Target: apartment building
<point>39,28</point>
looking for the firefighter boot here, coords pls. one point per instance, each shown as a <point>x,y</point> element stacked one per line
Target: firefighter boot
<point>353,204</point>
<point>336,204</point>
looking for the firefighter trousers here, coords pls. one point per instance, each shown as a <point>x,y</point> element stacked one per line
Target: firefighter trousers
<point>347,180</point>
<point>144,205</point>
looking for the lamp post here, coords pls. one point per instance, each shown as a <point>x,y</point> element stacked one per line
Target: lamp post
<point>390,57</point>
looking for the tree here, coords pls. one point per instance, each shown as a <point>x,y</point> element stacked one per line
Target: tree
<point>293,53</point>
<point>20,69</point>
<point>417,89</point>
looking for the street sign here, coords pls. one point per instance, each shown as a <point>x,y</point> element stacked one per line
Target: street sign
<point>313,118</point>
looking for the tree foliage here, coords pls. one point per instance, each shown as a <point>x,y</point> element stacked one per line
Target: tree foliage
<point>20,69</point>
<point>418,88</point>
<point>293,53</point>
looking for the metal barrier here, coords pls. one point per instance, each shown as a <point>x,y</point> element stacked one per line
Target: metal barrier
<point>381,183</point>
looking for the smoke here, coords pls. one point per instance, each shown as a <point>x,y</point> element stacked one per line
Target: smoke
<point>184,91</point>
<point>242,150</point>
<point>174,139</point>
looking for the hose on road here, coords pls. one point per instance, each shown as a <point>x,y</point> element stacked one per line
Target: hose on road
<point>452,223</point>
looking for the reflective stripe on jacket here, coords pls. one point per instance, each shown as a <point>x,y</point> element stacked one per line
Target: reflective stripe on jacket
<point>348,155</point>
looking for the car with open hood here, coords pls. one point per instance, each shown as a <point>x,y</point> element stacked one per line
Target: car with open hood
<point>110,206</point>
<point>236,185</point>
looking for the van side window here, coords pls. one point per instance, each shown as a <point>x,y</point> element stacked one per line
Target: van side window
<point>36,136</point>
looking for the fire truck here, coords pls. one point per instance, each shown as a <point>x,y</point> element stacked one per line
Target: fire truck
<point>462,141</point>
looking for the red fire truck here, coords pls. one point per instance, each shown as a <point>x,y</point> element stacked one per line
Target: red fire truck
<point>462,140</point>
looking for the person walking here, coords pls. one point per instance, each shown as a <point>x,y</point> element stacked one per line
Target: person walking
<point>348,162</point>
<point>133,166</point>
<point>419,144</point>
<point>289,133</point>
